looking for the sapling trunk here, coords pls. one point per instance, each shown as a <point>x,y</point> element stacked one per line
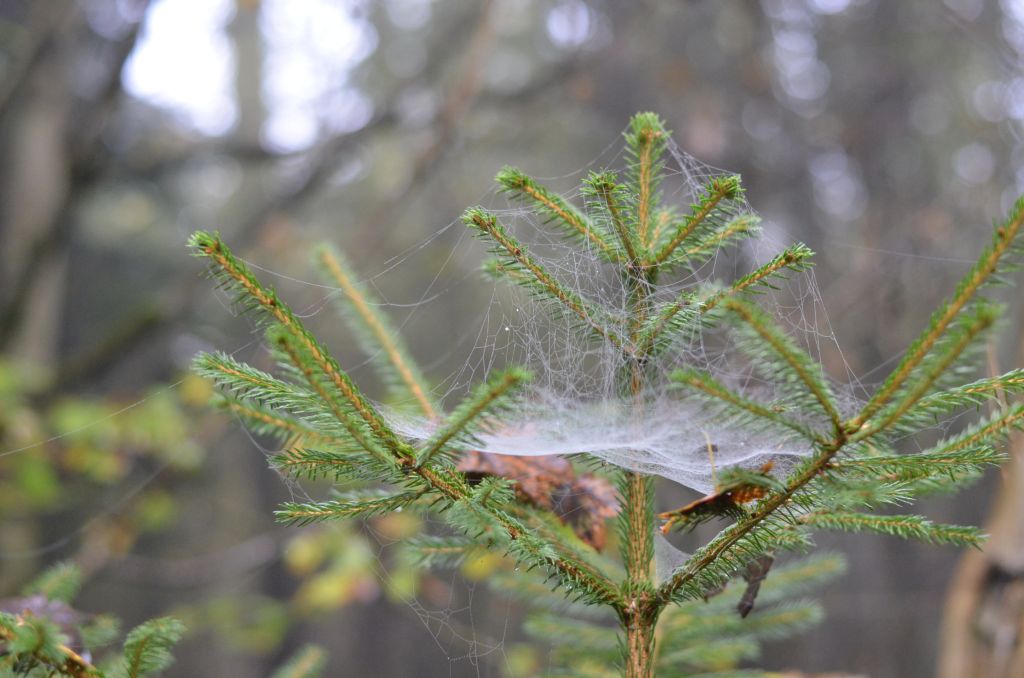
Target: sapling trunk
<point>640,608</point>
<point>640,613</point>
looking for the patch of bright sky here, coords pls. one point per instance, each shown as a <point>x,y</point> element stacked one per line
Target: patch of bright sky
<point>184,62</point>
<point>568,23</point>
<point>310,50</point>
<point>829,6</point>
<point>408,15</point>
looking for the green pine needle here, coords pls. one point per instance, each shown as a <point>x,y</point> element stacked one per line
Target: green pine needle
<point>557,211</point>
<point>646,142</point>
<point>746,409</point>
<point>354,505</point>
<point>374,332</point>
<point>714,206</point>
<point>780,353</point>
<point>992,259</point>
<point>532,274</point>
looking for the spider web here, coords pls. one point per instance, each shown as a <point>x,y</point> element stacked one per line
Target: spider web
<point>575,403</point>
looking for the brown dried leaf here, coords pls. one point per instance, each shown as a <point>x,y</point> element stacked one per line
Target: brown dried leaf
<point>753,574</point>
<point>583,501</point>
<point>724,501</point>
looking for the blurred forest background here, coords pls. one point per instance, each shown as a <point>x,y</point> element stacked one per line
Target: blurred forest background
<point>886,135</point>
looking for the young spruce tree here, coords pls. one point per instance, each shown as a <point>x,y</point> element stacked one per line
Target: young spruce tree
<point>682,621</point>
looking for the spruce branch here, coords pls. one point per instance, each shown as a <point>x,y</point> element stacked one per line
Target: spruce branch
<point>976,436</point>
<point>780,612</point>
<point>786,620</point>
<point>795,258</point>
<point>986,432</point>
<point>479,514</point>
<point>267,421</point>
<point>799,363</point>
<point>906,527</point>
<point>313,464</point>
<point>536,592</point>
<point>788,580</point>
<point>45,644</point>
<point>560,631</point>
<point>920,465</point>
<point>703,626</point>
<point>612,197</point>
<point>691,577</point>
<point>834,493</point>
<point>241,381</point>
<point>488,398</point>
<point>709,386</point>
<point>711,566</point>
<point>557,210</point>
<point>715,651</point>
<point>385,449</point>
<point>376,335</point>
<point>719,190</point>
<point>60,582</point>
<point>934,367</point>
<point>148,647</point>
<point>683,313</point>
<point>354,505</point>
<point>295,337</point>
<point>321,372</point>
<point>539,276</point>
<point>439,552</point>
<point>356,466</point>
<point>688,308</point>
<point>687,624</point>
<point>261,399</point>
<point>991,259</point>
<point>739,227</point>
<point>973,394</point>
<point>646,141</point>
<point>548,526</point>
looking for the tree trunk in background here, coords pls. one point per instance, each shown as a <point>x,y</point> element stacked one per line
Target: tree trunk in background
<point>34,184</point>
<point>248,40</point>
<point>34,187</point>
<point>983,628</point>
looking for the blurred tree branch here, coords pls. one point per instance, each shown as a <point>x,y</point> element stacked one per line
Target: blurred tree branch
<point>48,21</point>
<point>85,159</point>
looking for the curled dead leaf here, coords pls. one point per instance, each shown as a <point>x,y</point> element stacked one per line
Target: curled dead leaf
<point>583,501</point>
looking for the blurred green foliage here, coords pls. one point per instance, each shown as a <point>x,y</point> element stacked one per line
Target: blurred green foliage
<point>41,634</point>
